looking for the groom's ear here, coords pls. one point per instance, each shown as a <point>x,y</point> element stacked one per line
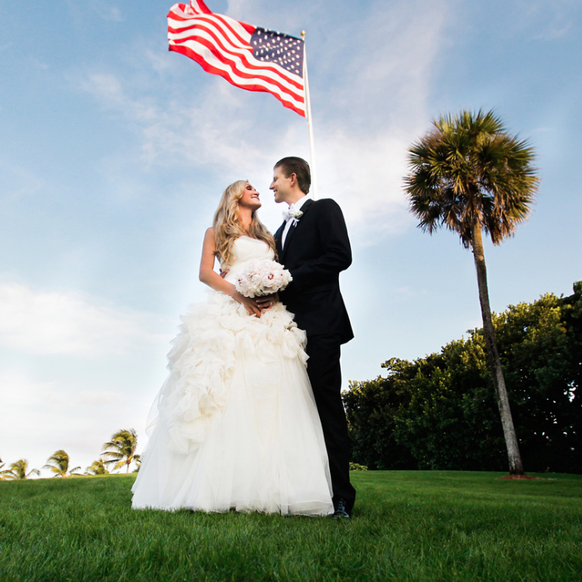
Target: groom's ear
<point>293,177</point>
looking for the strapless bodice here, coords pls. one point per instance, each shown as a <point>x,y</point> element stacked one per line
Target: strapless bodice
<point>245,250</point>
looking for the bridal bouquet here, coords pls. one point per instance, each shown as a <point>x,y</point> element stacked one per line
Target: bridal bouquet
<point>262,278</point>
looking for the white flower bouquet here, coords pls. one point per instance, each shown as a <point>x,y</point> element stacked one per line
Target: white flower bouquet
<point>262,278</point>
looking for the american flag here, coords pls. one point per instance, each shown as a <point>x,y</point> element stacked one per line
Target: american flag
<point>247,56</point>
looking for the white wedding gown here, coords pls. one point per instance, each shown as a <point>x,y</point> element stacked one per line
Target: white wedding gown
<point>237,426</point>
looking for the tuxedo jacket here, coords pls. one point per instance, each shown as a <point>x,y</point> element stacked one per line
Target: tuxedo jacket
<point>316,250</point>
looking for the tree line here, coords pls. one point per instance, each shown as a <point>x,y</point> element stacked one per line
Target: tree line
<point>440,411</point>
<point>120,452</point>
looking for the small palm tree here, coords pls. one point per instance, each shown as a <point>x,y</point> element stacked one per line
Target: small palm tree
<point>58,463</point>
<point>470,176</point>
<point>137,460</point>
<point>121,449</point>
<point>19,471</point>
<point>97,468</point>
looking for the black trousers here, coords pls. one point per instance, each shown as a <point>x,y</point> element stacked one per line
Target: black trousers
<point>323,368</point>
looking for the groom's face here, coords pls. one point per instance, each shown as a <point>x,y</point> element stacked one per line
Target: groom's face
<point>281,185</point>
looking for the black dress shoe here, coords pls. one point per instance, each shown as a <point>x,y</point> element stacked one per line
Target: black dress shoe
<point>340,510</point>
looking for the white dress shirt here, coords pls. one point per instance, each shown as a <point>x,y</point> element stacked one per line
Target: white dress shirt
<point>290,221</point>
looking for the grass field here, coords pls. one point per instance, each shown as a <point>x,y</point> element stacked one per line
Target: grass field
<point>408,525</point>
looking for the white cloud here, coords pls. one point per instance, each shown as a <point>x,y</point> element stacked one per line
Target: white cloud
<point>102,397</point>
<point>207,133</point>
<point>107,11</point>
<point>17,389</point>
<point>365,176</point>
<point>110,90</point>
<point>17,181</point>
<point>69,323</point>
<point>402,293</point>
<point>211,134</point>
<point>546,20</point>
<point>379,106</point>
<point>388,60</point>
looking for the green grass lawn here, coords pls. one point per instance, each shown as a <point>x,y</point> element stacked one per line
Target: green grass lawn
<point>408,525</point>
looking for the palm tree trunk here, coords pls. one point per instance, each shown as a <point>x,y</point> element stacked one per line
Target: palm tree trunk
<point>515,464</point>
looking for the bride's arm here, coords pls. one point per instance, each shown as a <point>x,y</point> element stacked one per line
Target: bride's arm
<point>211,278</point>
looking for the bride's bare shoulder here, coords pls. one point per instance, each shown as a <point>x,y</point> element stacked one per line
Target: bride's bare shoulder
<point>209,240</point>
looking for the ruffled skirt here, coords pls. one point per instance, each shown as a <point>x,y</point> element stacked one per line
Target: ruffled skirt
<point>236,425</point>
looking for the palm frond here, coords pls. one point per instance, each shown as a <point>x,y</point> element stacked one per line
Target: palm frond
<point>19,470</point>
<point>467,171</point>
<point>58,463</point>
<point>121,448</point>
<point>97,468</point>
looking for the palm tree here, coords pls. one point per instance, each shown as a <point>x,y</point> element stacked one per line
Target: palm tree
<point>59,465</point>
<point>469,175</point>
<point>121,449</point>
<point>137,460</point>
<point>97,468</point>
<point>19,471</point>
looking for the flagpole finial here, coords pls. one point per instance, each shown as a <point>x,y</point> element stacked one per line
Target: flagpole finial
<point>303,35</point>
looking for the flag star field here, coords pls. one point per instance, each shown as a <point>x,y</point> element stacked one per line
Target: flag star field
<point>282,49</point>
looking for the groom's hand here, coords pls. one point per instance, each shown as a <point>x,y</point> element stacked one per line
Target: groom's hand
<point>267,301</point>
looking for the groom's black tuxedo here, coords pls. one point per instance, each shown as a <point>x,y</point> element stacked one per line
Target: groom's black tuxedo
<point>316,250</point>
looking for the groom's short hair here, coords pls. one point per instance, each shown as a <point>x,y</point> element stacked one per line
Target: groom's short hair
<point>300,168</point>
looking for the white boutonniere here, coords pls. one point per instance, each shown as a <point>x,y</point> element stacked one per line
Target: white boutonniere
<point>296,216</point>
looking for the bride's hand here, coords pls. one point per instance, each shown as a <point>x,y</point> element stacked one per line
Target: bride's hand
<point>267,301</point>
<point>250,303</point>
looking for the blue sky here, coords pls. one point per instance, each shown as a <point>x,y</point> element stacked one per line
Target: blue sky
<point>114,153</point>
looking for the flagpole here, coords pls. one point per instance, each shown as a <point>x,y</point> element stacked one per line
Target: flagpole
<point>309,120</point>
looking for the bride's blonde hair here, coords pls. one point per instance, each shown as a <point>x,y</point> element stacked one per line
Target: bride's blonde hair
<point>227,226</point>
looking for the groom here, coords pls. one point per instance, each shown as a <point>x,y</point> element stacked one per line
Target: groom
<point>313,245</point>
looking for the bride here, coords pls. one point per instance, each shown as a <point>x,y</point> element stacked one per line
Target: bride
<point>237,426</point>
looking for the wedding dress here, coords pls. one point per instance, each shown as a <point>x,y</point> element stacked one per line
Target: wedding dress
<point>237,426</point>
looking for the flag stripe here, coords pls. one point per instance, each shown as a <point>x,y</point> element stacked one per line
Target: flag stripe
<point>230,27</point>
<point>235,66</point>
<point>221,45</point>
<point>208,61</point>
<point>238,70</point>
<point>199,6</point>
<point>230,33</point>
<point>240,57</point>
<point>221,28</point>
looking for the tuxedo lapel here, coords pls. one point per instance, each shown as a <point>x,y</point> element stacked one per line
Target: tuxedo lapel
<point>306,206</point>
<point>288,239</point>
<point>278,236</point>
